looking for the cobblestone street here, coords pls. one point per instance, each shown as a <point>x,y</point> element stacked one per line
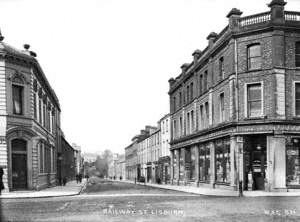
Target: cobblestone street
<point>115,201</point>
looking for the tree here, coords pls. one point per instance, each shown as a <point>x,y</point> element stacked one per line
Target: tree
<point>103,161</point>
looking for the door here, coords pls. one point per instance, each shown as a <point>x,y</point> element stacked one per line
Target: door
<point>19,171</point>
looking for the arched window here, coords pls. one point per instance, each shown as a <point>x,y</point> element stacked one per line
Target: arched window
<point>18,145</point>
<point>254,57</point>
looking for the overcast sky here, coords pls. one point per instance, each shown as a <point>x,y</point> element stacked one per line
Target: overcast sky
<point>109,61</point>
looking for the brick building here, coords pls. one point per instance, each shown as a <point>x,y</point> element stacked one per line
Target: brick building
<point>30,120</point>
<point>235,108</point>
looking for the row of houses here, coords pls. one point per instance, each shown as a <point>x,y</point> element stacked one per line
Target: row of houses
<point>234,111</point>
<point>34,153</point>
<point>147,158</point>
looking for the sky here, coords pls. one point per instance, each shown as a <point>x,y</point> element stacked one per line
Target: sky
<point>109,61</point>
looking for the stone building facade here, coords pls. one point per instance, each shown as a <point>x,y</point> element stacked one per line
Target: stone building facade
<point>235,108</point>
<point>29,120</point>
<point>164,158</point>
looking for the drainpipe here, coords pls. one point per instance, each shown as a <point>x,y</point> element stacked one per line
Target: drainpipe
<point>236,80</point>
<point>239,179</point>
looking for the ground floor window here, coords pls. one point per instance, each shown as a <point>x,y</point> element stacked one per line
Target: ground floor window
<point>293,163</point>
<point>193,162</point>
<point>222,161</point>
<point>181,165</point>
<point>175,176</point>
<point>204,162</point>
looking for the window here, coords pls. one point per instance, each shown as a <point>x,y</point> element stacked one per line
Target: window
<point>254,57</point>
<point>180,99</point>
<point>221,68</point>
<point>187,94</point>
<point>201,84</point>
<point>174,129</point>
<point>201,116</point>
<point>292,163</point>
<point>204,163</point>
<point>193,163</point>
<point>174,103</point>
<point>207,113</point>
<point>17,94</point>
<point>180,126</point>
<point>205,81</point>
<point>221,104</point>
<point>223,161</point>
<point>188,123</point>
<point>192,89</point>
<point>297,99</point>
<point>41,152</point>
<point>167,127</point>
<point>192,121</point>
<point>175,176</point>
<point>181,165</point>
<point>254,100</point>
<point>297,54</point>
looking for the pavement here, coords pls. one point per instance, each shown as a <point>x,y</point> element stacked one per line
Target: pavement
<point>72,188</point>
<point>220,192</point>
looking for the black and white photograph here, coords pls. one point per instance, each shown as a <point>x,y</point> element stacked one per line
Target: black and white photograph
<point>149,110</point>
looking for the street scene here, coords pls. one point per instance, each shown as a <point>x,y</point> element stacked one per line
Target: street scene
<point>174,110</point>
<point>104,200</point>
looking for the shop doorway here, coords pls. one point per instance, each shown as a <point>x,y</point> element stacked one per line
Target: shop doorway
<point>19,164</point>
<point>255,162</point>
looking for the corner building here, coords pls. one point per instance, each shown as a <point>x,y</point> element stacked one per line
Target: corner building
<point>235,109</point>
<point>29,119</point>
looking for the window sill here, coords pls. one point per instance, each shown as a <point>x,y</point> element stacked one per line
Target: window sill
<point>254,70</point>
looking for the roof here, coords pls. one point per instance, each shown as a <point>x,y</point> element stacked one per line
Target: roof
<point>26,56</point>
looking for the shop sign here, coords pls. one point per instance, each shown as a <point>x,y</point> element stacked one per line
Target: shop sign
<point>292,152</point>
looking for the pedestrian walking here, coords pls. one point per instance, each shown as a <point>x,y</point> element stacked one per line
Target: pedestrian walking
<point>77,178</point>
<point>80,177</point>
<point>64,181</point>
<point>1,180</point>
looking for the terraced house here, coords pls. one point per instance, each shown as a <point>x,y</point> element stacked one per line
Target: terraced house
<point>235,108</point>
<point>29,121</point>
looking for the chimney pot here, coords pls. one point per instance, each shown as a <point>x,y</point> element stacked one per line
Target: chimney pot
<point>26,46</point>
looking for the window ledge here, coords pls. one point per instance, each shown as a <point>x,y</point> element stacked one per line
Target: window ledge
<point>254,70</point>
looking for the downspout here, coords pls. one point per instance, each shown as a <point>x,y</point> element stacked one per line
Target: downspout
<point>236,80</point>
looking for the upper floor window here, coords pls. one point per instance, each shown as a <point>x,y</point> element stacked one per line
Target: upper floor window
<point>205,81</point>
<point>221,104</point>
<point>180,99</point>
<point>192,91</point>
<point>254,97</point>
<point>192,121</point>
<point>17,95</point>
<point>221,68</point>
<point>174,103</point>
<point>201,84</point>
<point>254,57</point>
<point>201,117</point>
<point>187,93</point>
<point>180,126</point>
<point>297,99</point>
<point>297,54</point>
<point>188,123</point>
<point>207,113</point>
